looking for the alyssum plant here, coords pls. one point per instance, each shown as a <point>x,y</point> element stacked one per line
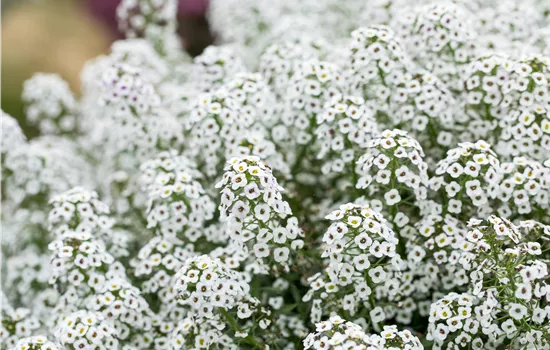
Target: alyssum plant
<point>331,175</point>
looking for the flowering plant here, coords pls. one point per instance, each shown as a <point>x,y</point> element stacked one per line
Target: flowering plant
<point>332,175</point>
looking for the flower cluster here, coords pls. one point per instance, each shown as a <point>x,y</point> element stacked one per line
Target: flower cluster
<point>486,98</point>
<point>336,333</point>
<point>124,87</point>
<point>507,25</point>
<point>468,178</point>
<point>452,320</point>
<point>85,329</point>
<point>231,117</point>
<point>153,20</point>
<point>140,53</point>
<point>392,338</point>
<point>313,85</point>
<point>16,323</point>
<point>439,37</point>
<point>178,205</point>
<point>80,258</point>
<point>50,104</point>
<point>117,300</point>
<point>207,284</point>
<point>524,190</point>
<point>32,174</point>
<point>214,65</point>
<point>346,125</point>
<point>12,135</point>
<point>280,61</point>
<point>394,174</point>
<point>159,260</point>
<point>11,138</point>
<point>362,253</point>
<point>194,335</point>
<point>527,127</point>
<point>27,275</point>
<point>137,125</point>
<point>252,201</point>
<point>35,343</point>
<point>436,256</point>
<point>241,21</point>
<point>376,61</point>
<point>256,213</point>
<point>422,104</point>
<point>507,287</point>
<point>506,101</point>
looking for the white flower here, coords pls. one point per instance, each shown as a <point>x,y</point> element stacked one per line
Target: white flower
<point>392,197</point>
<point>517,311</point>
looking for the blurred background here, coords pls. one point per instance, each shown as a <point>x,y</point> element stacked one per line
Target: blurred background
<point>59,36</point>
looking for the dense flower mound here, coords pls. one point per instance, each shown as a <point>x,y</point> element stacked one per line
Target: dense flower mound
<point>345,127</point>
<point>376,61</point>
<point>85,329</point>
<point>330,175</point>
<point>51,104</point>
<point>208,284</point>
<point>257,216</point>
<point>362,261</point>
<point>16,323</point>
<point>35,343</point>
<point>178,205</point>
<point>336,333</point>
<point>524,190</point>
<point>468,177</point>
<point>12,135</point>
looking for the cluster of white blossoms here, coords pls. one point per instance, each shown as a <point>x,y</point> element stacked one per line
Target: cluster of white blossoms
<point>16,323</point>
<point>50,104</point>
<point>119,301</point>
<point>280,61</point>
<point>524,190</point>
<point>507,103</point>
<point>468,179</point>
<point>214,65</point>
<point>346,125</point>
<point>330,174</point>
<point>392,164</point>
<point>435,258</point>
<point>124,87</point>
<point>439,37</point>
<point>45,167</point>
<point>455,314</point>
<point>35,343</point>
<point>77,221</point>
<point>336,333</point>
<point>376,61</point>
<point>12,135</point>
<point>27,275</point>
<point>178,205</point>
<point>508,297</point>
<point>508,25</point>
<point>206,284</point>
<point>151,19</point>
<point>257,216</point>
<point>362,264</point>
<point>158,260</point>
<point>86,330</point>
